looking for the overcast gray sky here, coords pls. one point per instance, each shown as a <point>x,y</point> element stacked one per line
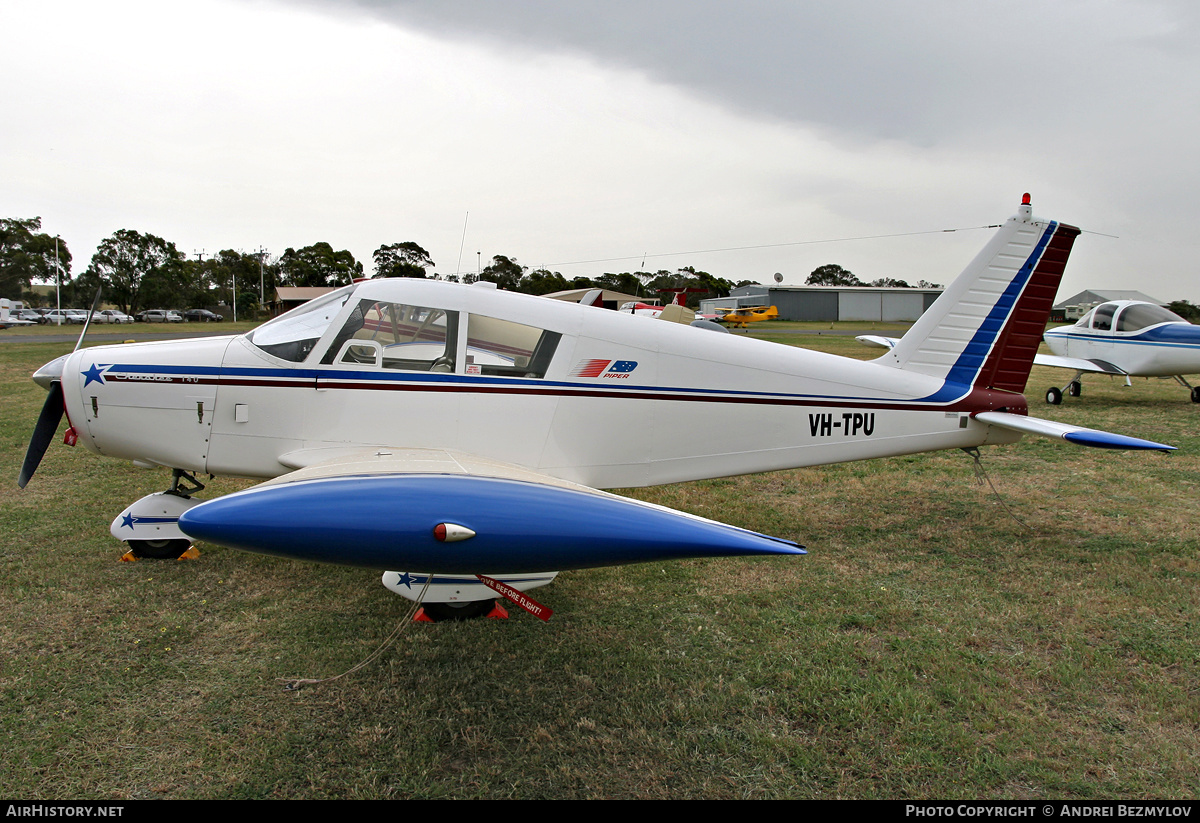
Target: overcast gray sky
<point>621,132</point>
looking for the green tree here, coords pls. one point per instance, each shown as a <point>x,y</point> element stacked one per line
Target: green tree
<point>122,263</point>
<point>176,284</point>
<point>542,281</point>
<point>318,265</point>
<point>401,260</point>
<point>1186,310</point>
<point>832,274</point>
<point>247,303</point>
<point>26,255</point>
<point>890,283</point>
<point>624,282</point>
<point>697,285</point>
<point>505,272</point>
<point>227,268</point>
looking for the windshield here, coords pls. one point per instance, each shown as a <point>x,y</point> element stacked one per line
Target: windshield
<point>291,336</point>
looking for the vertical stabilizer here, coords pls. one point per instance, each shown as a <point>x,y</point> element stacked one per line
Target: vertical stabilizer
<point>984,330</point>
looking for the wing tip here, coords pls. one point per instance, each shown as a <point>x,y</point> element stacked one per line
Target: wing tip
<point>1107,440</point>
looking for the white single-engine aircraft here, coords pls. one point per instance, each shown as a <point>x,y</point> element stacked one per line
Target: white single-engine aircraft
<point>1125,338</point>
<point>454,430</point>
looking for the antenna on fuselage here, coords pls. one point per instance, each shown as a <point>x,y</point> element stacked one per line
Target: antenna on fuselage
<point>458,266</point>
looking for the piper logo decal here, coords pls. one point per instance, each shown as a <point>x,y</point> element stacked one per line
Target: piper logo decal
<point>611,369</point>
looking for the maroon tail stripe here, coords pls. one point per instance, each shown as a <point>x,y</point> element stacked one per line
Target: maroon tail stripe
<point>1007,367</point>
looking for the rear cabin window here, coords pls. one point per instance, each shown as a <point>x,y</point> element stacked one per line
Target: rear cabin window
<point>396,336</point>
<point>502,347</point>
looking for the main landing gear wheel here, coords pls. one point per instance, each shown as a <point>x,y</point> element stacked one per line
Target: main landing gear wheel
<point>443,612</point>
<point>159,549</point>
<point>1075,389</point>
<point>1196,394</point>
<point>1054,396</point>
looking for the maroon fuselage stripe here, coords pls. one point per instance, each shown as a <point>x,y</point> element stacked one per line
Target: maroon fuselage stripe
<point>976,401</point>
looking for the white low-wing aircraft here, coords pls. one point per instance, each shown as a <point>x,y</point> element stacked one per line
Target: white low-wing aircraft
<point>1125,338</point>
<point>455,430</point>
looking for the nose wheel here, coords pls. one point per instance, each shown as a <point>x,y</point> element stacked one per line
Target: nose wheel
<point>159,549</point>
<point>150,526</point>
<point>472,609</point>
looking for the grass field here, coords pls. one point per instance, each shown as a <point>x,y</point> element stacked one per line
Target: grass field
<point>932,645</point>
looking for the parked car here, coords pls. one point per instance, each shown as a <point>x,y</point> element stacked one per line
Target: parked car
<point>112,316</point>
<point>63,317</point>
<point>202,316</point>
<point>28,314</point>
<point>159,316</point>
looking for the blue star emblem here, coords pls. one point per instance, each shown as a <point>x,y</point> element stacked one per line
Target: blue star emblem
<point>127,520</point>
<point>94,375</point>
<point>405,579</point>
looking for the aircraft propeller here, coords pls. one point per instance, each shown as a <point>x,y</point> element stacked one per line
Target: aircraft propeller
<point>43,432</point>
<point>53,409</point>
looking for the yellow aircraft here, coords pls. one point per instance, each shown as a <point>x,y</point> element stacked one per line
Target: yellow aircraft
<point>751,314</point>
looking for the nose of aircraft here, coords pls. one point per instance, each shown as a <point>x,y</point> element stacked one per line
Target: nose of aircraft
<point>50,372</point>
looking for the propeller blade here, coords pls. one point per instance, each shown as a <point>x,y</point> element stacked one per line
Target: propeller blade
<point>43,432</point>
<point>88,322</point>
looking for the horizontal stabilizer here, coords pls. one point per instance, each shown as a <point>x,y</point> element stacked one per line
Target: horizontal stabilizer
<point>877,341</point>
<point>1073,434</point>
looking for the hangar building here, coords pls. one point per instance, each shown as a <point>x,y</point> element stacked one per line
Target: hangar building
<point>830,303</point>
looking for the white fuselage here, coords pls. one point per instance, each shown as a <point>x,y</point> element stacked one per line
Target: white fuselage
<point>624,400</point>
<point>1113,333</point>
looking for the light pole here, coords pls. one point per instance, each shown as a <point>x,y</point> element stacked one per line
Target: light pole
<point>261,293</point>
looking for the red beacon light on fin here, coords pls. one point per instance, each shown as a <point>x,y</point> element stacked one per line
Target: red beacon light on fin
<point>1025,199</point>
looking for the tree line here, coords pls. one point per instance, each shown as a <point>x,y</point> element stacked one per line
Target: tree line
<point>140,270</point>
<point>832,274</point>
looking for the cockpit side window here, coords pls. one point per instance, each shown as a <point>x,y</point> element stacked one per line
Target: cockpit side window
<point>1140,315</point>
<point>396,336</point>
<point>291,336</point>
<point>1102,319</point>
<point>502,347</point>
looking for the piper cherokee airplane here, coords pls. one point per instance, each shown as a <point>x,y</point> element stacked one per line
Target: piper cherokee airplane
<point>453,430</point>
<point>1126,338</point>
